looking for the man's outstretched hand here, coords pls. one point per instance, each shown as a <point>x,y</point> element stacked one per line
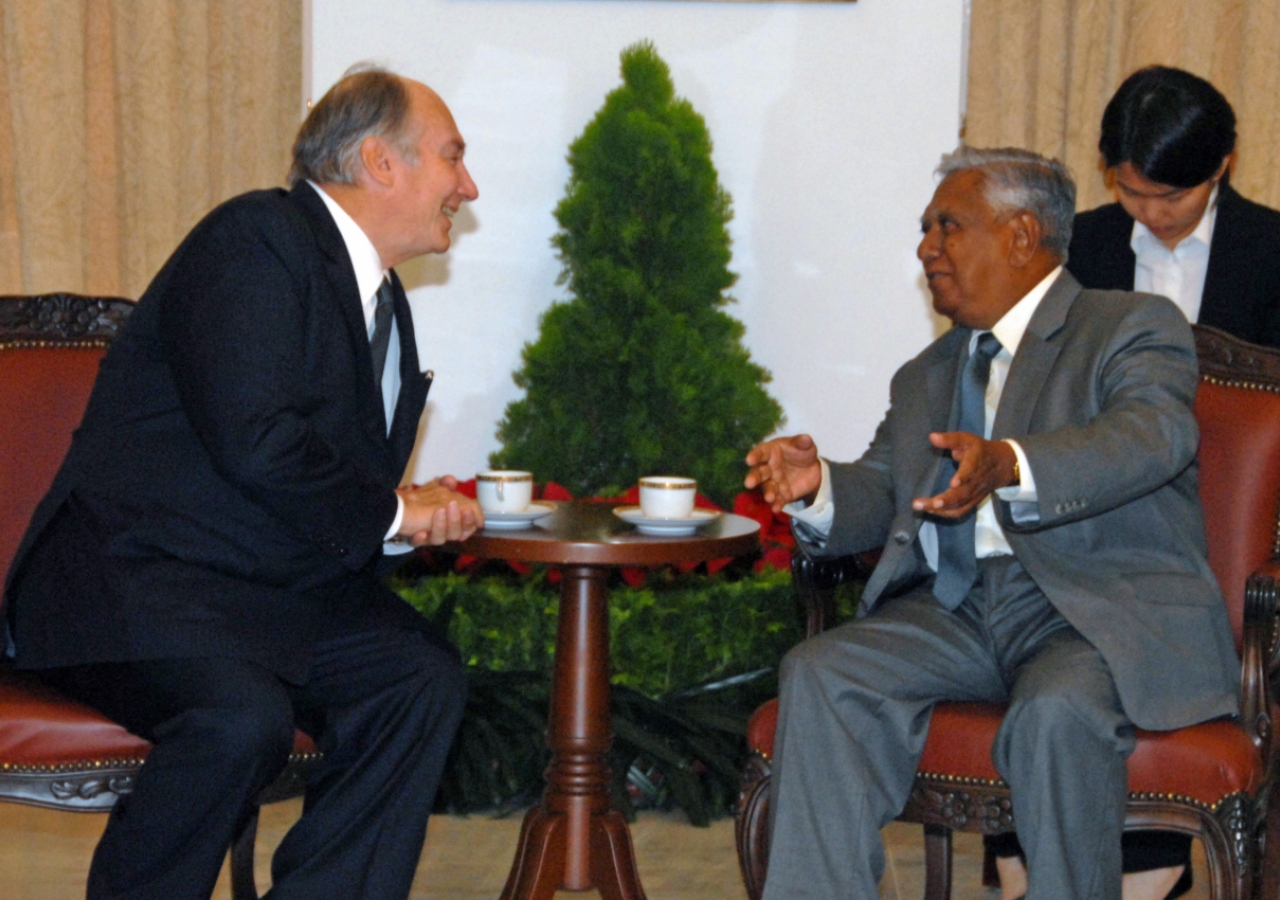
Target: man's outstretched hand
<point>435,512</point>
<point>982,467</point>
<point>786,469</point>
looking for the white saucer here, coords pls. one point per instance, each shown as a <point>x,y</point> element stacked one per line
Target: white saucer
<point>496,521</point>
<point>666,527</point>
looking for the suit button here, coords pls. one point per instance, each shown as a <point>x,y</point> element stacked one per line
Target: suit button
<point>901,537</point>
<point>342,552</point>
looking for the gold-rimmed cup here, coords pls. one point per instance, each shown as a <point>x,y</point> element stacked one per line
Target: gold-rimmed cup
<point>667,496</point>
<point>504,490</point>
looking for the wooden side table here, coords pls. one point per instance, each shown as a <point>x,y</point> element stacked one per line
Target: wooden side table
<point>574,840</point>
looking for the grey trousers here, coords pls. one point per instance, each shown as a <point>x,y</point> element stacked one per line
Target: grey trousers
<point>854,711</point>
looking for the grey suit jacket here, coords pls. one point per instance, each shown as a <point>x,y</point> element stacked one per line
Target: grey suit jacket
<point>1099,396</point>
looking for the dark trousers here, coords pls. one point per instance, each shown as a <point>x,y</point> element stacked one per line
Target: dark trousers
<point>382,706</point>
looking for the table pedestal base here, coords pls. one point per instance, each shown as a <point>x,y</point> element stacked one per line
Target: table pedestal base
<point>541,858</point>
<point>574,841</point>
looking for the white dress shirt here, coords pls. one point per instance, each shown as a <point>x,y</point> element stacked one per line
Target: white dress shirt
<point>369,277</point>
<point>1178,273</point>
<point>989,539</point>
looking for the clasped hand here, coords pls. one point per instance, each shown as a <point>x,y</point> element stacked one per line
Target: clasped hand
<point>982,467</point>
<point>435,513</point>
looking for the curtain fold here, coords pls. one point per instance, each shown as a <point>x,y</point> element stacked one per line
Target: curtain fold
<point>1041,73</point>
<point>123,121</point>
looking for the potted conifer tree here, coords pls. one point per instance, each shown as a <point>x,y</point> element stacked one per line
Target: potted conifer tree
<point>642,371</point>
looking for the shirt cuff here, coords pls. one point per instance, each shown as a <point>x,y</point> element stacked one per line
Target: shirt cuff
<point>817,516</point>
<point>395,523</point>
<point>1025,490</point>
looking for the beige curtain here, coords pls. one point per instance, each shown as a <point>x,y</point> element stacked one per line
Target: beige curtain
<point>123,121</point>
<point>1041,72</point>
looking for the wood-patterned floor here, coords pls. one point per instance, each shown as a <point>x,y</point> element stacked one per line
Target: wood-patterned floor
<point>45,855</point>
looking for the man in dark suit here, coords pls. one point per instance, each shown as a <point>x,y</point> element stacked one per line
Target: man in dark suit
<point>205,567</point>
<point>1034,488</point>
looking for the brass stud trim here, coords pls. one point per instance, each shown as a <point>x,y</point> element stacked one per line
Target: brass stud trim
<point>92,765</point>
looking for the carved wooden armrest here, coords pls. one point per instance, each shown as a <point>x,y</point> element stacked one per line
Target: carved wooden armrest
<point>816,580</point>
<point>1260,653</point>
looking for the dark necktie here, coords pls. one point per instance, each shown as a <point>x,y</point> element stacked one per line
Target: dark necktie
<point>382,317</point>
<point>957,560</point>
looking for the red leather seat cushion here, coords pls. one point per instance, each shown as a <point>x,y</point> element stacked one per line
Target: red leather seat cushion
<point>1205,762</point>
<point>41,728</point>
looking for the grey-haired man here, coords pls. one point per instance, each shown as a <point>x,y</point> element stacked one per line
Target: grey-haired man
<point>205,567</point>
<point>1034,487</point>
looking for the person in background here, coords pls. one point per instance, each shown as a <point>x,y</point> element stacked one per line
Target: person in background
<point>205,568</point>
<point>1179,229</point>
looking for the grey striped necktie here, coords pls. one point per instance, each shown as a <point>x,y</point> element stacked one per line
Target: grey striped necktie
<point>957,559</point>
<point>382,319</point>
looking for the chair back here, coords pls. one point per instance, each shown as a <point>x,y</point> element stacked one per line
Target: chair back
<point>50,347</point>
<point>1238,408</point>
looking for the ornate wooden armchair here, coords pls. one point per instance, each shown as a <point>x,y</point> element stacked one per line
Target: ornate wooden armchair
<point>1211,780</point>
<point>54,752</point>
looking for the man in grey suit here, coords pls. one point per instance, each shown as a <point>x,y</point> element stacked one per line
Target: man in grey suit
<point>1044,546</point>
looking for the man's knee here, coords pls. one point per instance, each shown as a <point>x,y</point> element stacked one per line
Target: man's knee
<point>449,683</point>
<point>809,659</point>
<point>1061,715</point>
<point>440,680</point>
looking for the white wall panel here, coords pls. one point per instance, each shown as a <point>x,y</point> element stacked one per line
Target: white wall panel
<point>828,120</point>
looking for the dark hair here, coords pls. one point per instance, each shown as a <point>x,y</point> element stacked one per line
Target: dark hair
<point>367,101</point>
<point>1175,128</point>
<point>1016,180</point>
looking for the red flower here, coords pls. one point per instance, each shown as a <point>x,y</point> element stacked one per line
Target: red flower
<point>553,491</point>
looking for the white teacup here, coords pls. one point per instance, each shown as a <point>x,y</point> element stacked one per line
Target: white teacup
<point>667,496</point>
<point>504,490</point>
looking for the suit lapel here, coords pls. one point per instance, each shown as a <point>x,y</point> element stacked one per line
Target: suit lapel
<point>1226,300</point>
<point>1119,265</point>
<point>340,275</point>
<point>337,268</point>
<point>413,386</point>
<point>942,388</point>
<point>1034,360</point>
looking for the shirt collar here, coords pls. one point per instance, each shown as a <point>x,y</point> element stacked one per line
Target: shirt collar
<point>1143,241</point>
<point>1013,324</point>
<point>364,256</point>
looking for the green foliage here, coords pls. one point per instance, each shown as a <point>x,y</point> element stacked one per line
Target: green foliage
<point>641,373</point>
<point>690,630</point>
<point>671,633</point>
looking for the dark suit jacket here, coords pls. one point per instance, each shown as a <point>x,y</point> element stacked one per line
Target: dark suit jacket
<point>229,488</point>
<point>1099,397</point>
<point>1242,285</point>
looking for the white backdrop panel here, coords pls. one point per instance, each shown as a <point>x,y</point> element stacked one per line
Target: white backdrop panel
<point>827,119</point>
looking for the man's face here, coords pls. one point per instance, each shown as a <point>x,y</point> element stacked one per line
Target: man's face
<point>965,252</point>
<point>1170,213</point>
<point>428,193</point>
